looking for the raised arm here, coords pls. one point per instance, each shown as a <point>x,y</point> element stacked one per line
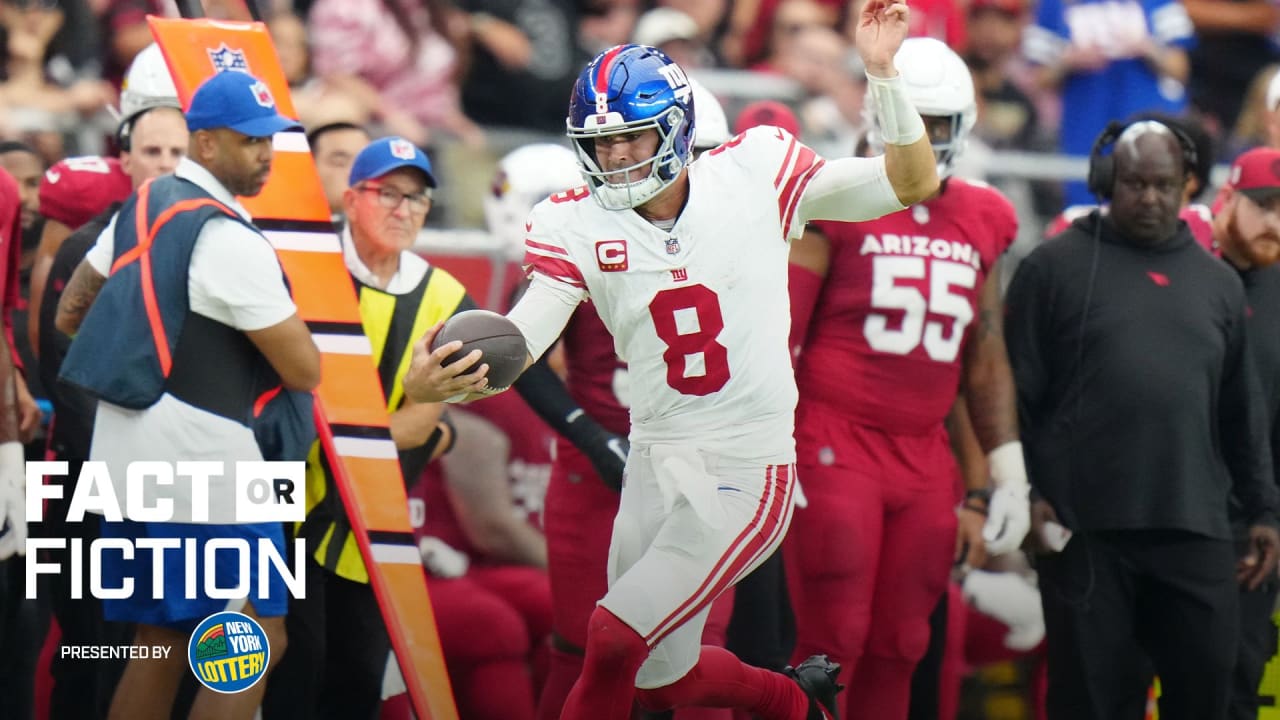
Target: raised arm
<point>908,156</point>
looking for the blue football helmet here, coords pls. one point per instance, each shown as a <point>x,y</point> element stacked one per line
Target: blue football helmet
<point>625,89</point>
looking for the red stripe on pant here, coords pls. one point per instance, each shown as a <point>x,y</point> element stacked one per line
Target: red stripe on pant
<point>762,531</point>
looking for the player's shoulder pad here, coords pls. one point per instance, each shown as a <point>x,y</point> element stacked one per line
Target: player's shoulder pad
<point>762,145</point>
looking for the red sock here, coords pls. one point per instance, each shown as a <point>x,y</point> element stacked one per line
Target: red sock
<point>722,680</point>
<point>606,690</point>
<point>563,672</point>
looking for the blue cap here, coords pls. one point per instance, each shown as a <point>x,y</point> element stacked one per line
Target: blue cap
<point>237,101</point>
<point>386,154</point>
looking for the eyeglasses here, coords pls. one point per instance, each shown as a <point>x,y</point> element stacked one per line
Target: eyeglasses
<point>390,198</point>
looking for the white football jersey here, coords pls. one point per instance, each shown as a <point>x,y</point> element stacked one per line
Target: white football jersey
<point>700,313</point>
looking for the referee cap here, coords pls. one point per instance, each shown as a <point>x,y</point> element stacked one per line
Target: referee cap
<point>237,101</point>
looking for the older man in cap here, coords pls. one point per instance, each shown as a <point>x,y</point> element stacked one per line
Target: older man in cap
<point>194,326</point>
<point>339,641</point>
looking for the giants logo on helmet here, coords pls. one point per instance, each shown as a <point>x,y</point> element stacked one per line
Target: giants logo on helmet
<point>675,77</point>
<point>612,255</point>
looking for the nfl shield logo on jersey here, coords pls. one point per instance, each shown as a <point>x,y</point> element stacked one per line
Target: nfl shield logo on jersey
<point>224,59</point>
<point>673,246</point>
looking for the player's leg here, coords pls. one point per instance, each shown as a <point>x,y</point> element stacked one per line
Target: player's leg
<point>528,592</point>
<point>916,552</point>
<point>713,634</point>
<point>832,551</point>
<point>614,650</point>
<point>1188,621</point>
<point>726,517</point>
<point>578,523</point>
<point>486,648</point>
<point>762,630</point>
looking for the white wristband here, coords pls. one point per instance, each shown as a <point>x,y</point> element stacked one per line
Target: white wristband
<point>1007,466</point>
<point>900,123</point>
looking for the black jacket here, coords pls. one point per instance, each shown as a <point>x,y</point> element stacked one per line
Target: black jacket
<point>1139,405</point>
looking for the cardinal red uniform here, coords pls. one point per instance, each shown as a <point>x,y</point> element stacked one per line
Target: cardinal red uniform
<point>494,620</point>
<point>879,371</point>
<point>76,189</point>
<point>1199,218</point>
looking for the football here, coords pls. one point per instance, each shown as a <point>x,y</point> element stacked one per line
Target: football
<point>497,338</point>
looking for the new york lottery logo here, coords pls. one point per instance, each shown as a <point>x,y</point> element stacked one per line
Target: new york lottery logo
<point>229,652</point>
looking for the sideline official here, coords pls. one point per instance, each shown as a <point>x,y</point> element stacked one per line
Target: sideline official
<point>190,280</point>
<point>1140,416</point>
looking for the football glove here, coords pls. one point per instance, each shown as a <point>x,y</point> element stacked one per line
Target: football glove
<point>1009,513</point>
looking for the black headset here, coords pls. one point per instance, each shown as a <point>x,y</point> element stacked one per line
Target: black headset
<point>1102,168</point>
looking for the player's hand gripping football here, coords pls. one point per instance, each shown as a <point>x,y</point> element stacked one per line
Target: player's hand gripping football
<point>13,501</point>
<point>429,380</point>
<point>882,26</point>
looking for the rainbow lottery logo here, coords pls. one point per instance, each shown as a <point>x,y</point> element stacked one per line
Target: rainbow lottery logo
<point>228,652</point>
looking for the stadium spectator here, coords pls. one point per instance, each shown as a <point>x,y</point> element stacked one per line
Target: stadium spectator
<point>402,50</point>
<point>36,104</point>
<point>524,56</point>
<point>1108,60</point>
<point>221,292</point>
<point>1139,476</point>
<point>1235,39</point>
<point>674,33</point>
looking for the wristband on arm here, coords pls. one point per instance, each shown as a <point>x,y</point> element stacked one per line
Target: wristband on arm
<point>900,123</point>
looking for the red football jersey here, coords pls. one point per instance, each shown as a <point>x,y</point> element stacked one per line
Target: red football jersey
<point>597,376</point>
<point>886,341</point>
<point>1199,219</point>
<point>528,467</point>
<point>76,189</point>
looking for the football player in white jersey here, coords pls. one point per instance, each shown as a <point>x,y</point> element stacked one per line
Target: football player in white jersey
<point>687,265</point>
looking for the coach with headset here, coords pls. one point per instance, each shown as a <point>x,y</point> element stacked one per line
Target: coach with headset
<point>1140,417</point>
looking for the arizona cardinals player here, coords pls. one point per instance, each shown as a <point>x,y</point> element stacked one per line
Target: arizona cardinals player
<point>907,315</point>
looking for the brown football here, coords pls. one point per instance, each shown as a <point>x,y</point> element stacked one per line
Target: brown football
<point>497,338</point>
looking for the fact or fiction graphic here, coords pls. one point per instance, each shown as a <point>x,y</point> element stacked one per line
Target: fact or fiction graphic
<point>228,652</point>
